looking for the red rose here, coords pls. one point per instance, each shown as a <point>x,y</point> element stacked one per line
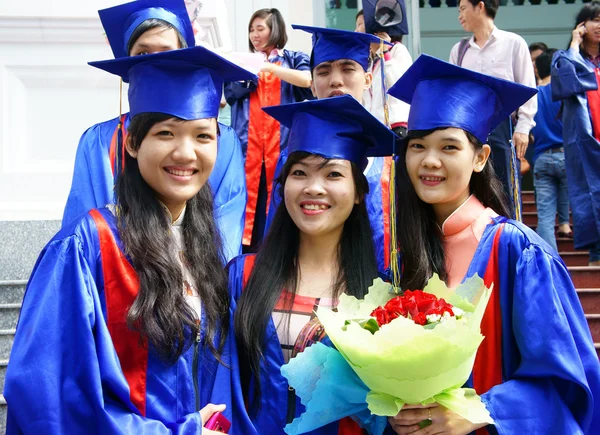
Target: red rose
<point>414,303</point>
<point>420,319</point>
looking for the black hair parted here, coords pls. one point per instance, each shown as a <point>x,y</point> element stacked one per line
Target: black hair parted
<point>276,268</point>
<point>419,234</point>
<point>160,312</point>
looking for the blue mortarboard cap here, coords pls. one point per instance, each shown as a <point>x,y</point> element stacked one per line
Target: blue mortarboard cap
<point>334,44</point>
<point>120,22</point>
<point>385,16</point>
<point>444,95</point>
<point>334,128</point>
<point>185,83</point>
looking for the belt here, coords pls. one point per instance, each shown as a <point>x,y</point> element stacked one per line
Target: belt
<point>554,150</point>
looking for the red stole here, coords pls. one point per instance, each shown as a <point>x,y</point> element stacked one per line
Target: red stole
<point>264,143</point>
<point>121,286</point>
<point>487,371</point>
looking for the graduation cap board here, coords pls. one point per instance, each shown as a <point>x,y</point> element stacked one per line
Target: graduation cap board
<point>120,21</point>
<point>333,44</point>
<point>385,16</point>
<point>185,83</point>
<point>334,128</point>
<point>444,95</point>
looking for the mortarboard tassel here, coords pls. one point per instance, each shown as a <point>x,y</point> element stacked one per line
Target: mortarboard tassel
<point>395,273</point>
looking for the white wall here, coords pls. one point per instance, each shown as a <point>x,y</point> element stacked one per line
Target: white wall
<point>49,95</point>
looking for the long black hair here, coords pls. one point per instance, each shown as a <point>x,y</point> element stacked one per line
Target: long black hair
<point>419,234</point>
<point>160,312</point>
<point>276,267</point>
<point>588,12</point>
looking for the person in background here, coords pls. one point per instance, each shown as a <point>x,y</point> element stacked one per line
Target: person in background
<point>537,370</point>
<point>340,66</point>
<point>550,179</point>
<point>126,325</point>
<point>285,78</point>
<point>396,59</point>
<point>575,74</point>
<point>504,55</point>
<point>134,29</point>
<point>535,50</point>
<point>318,247</point>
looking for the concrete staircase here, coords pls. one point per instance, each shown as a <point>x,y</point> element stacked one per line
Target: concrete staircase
<point>585,278</point>
<point>21,243</point>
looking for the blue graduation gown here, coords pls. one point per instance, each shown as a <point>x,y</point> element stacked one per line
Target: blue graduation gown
<point>378,176</point>
<point>261,136</point>
<point>572,77</point>
<point>272,415</point>
<point>93,181</point>
<point>65,376</point>
<point>550,374</point>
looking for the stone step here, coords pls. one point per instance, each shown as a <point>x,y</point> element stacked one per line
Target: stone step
<point>528,196</point>
<point>3,365</point>
<point>585,276</point>
<point>530,218</point>
<point>577,258</point>
<point>6,340</point>
<point>590,300</point>
<point>594,324</point>
<point>566,245</point>
<point>528,207</point>
<point>9,315</point>
<point>3,410</point>
<point>11,292</point>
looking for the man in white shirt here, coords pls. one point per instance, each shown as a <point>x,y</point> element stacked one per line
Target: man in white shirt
<point>504,55</point>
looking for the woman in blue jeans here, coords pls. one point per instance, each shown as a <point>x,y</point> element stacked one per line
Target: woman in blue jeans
<point>549,172</point>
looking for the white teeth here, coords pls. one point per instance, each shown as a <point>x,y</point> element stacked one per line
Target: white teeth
<point>314,207</point>
<point>181,173</point>
<point>432,178</point>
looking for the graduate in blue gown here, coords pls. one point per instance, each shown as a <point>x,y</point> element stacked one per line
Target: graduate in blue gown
<point>126,320</point>
<point>340,65</point>
<point>575,79</point>
<point>537,370</point>
<point>319,245</point>
<point>138,28</point>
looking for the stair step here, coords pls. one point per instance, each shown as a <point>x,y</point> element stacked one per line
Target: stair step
<point>529,206</point>
<point>11,292</point>
<point>6,340</point>
<point>566,245</point>
<point>577,258</point>
<point>530,218</point>
<point>3,366</point>
<point>594,324</point>
<point>9,315</point>
<point>3,411</point>
<point>590,300</point>
<point>585,276</point>
<point>528,196</point>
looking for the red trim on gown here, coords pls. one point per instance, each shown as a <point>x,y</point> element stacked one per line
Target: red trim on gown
<point>121,286</point>
<point>264,142</point>
<point>487,371</point>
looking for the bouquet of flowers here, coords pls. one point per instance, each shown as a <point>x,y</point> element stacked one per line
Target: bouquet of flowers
<point>391,350</point>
